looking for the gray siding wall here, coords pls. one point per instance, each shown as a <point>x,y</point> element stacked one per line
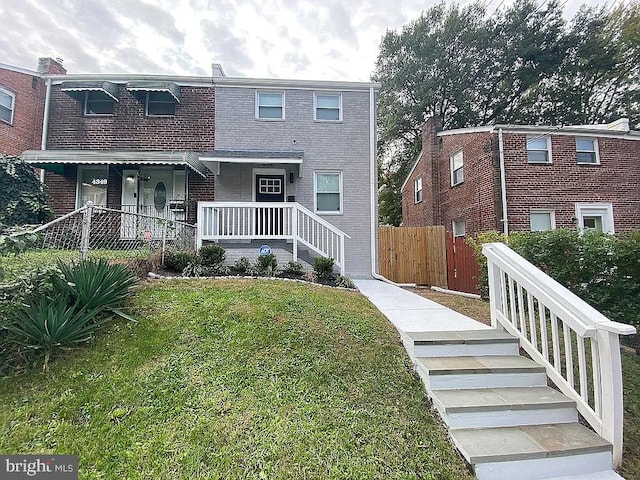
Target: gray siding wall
<point>342,146</point>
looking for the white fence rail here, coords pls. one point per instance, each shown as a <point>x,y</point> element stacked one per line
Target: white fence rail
<point>261,220</point>
<point>579,347</point>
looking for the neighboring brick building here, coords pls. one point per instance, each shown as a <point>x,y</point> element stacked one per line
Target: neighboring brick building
<point>585,177</point>
<point>22,94</point>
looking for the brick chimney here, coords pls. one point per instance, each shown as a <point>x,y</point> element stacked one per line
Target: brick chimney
<point>51,66</point>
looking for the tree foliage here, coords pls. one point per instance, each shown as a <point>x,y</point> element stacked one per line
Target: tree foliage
<point>522,64</point>
<point>22,200</point>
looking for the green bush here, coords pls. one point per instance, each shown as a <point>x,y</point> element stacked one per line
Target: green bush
<point>178,261</point>
<point>211,255</point>
<point>266,264</point>
<point>323,268</point>
<point>293,269</point>
<point>22,200</point>
<point>242,266</point>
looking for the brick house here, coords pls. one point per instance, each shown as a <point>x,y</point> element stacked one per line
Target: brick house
<point>22,94</point>
<point>248,160</point>
<point>584,177</point>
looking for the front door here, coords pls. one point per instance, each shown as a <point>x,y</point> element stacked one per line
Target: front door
<point>269,220</point>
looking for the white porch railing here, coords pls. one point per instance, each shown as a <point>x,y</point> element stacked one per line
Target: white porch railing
<point>261,220</point>
<point>579,347</point>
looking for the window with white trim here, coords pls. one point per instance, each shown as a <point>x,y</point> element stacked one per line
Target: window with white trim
<point>270,105</point>
<point>160,104</point>
<point>98,103</point>
<point>92,185</point>
<point>597,217</point>
<point>457,168</point>
<point>459,229</point>
<point>417,190</point>
<point>270,186</point>
<point>328,192</point>
<point>538,149</point>
<point>542,220</point>
<point>327,107</point>
<point>7,105</point>
<point>587,151</point>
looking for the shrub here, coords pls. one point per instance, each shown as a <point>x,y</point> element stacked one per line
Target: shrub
<point>211,255</point>
<point>323,268</point>
<point>22,199</point>
<point>242,266</point>
<point>178,261</point>
<point>345,282</point>
<point>267,264</point>
<point>293,269</point>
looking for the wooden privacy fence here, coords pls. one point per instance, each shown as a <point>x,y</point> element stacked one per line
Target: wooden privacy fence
<point>413,255</point>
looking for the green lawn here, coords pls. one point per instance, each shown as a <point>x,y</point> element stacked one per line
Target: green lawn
<point>235,379</point>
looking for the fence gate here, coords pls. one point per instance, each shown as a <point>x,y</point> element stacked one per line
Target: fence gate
<point>413,255</point>
<point>462,267</point>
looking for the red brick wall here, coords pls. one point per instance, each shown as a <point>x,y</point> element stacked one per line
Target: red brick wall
<point>558,186</point>
<point>201,189</point>
<point>26,130</point>
<point>190,129</point>
<point>62,190</point>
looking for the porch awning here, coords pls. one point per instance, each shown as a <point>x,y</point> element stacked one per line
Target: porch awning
<point>47,158</point>
<point>149,86</point>
<point>76,88</point>
<point>253,156</point>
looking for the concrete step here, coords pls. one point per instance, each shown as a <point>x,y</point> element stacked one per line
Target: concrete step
<point>606,475</point>
<point>461,343</point>
<point>489,371</point>
<point>533,452</point>
<point>503,407</point>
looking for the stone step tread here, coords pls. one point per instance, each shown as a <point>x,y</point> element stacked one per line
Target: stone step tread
<point>462,337</point>
<point>502,444</point>
<point>499,399</point>
<point>478,365</point>
<point>605,475</point>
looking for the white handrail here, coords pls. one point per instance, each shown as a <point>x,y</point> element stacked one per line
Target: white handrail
<point>549,320</point>
<point>271,220</point>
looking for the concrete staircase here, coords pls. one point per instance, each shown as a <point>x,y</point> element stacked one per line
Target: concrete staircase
<point>502,417</point>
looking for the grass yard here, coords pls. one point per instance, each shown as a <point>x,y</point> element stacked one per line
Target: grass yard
<point>230,378</point>
<point>479,310</point>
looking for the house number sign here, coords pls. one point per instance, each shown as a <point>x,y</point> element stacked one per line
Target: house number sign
<point>98,181</point>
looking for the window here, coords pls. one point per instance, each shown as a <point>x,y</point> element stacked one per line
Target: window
<point>160,104</point>
<point>328,192</point>
<point>417,190</point>
<point>458,228</point>
<point>597,217</point>
<point>98,103</point>
<point>539,149</point>
<point>542,220</point>
<point>271,186</point>
<point>328,107</point>
<point>7,104</point>
<point>587,150</point>
<point>92,185</point>
<point>270,105</point>
<point>457,164</point>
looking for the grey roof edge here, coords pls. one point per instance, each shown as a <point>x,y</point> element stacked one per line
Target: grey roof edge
<point>254,154</point>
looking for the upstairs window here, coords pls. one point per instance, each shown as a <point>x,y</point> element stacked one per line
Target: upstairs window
<point>98,103</point>
<point>538,149</point>
<point>417,190</point>
<point>328,107</point>
<point>457,166</point>
<point>160,104</point>
<point>7,105</point>
<point>270,105</point>
<point>587,150</point>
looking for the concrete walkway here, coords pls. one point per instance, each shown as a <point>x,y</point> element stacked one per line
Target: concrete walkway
<point>412,313</point>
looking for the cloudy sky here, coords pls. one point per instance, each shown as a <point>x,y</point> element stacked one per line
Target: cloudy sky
<point>317,39</point>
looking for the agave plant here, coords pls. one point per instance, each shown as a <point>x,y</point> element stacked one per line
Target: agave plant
<point>98,285</point>
<point>49,323</point>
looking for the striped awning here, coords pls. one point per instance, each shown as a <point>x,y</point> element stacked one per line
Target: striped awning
<point>110,89</point>
<point>45,158</point>
<point>149,86</point>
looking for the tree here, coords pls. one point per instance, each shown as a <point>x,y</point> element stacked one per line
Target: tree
<point>22,200</point>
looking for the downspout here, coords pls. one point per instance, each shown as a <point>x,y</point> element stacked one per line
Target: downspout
<point>45,124</point>
<point>503,185</point>
<point>373,188</point>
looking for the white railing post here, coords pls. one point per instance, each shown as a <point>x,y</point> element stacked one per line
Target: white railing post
<point>86,230</point>
<point>611,385</point>
<point>495,292</point>
<point>342,256</point>
<point>294,230</point>
<point>199,223</point>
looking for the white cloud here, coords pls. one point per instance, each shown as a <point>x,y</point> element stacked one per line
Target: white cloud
<point>306,39</point>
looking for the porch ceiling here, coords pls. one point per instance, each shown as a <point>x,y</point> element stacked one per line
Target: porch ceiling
<point>269,157</point>
<point>91,157</point>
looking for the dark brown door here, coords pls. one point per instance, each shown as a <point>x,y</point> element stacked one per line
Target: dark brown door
<point>270,220</point>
